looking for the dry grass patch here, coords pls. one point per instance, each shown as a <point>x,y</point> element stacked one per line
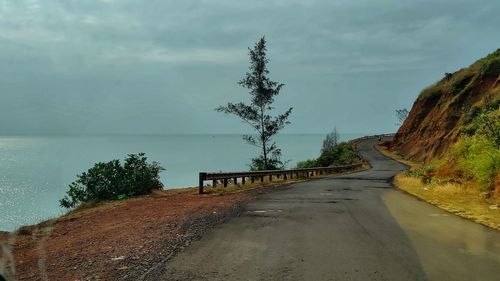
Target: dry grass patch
<point>464,200</point>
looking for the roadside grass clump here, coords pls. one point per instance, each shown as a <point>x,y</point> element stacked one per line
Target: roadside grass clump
<point>114,181</point>
<point>471,160</point>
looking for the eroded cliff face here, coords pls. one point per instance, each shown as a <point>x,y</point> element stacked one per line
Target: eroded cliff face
<point>437,116</point>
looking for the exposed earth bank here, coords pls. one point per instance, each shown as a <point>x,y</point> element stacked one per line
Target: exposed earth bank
<point>437,116</point>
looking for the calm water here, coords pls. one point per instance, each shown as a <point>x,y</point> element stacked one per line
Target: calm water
<point>35,171</point>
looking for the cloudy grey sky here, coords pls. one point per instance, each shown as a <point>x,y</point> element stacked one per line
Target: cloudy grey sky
<point>160,67</point>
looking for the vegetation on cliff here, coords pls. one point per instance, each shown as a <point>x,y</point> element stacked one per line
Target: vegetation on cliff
<point>475,157</point>
<point>454,129</point>
<point>440,115</point>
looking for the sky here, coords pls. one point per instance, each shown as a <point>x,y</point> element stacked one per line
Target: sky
<point>74,67</point>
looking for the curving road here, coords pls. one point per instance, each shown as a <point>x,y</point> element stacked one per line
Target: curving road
<point>353,227</point>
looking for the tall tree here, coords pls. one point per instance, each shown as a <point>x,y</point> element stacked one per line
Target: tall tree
<point>258,113</point>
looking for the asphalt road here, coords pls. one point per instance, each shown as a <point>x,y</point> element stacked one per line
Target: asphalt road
<point>352,227</point>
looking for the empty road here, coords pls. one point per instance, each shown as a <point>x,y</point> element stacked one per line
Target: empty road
<point>351,227</point>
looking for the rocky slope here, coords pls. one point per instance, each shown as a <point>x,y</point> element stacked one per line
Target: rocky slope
<point>438,114</point>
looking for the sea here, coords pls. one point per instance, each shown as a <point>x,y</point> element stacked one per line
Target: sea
<point>35,171</point>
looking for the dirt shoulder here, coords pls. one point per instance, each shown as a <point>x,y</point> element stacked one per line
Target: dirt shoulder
<point>465,200</point>
<point>117,240</point>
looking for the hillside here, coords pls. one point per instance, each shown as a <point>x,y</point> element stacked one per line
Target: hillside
<point>442,110</point>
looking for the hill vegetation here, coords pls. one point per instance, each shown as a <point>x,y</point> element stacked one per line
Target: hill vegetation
<point>440,114</point>
<point>454,128</point>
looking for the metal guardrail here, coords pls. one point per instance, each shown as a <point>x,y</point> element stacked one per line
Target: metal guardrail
<point>225,177</point>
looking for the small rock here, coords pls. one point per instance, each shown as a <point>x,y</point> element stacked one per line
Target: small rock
<point>494,207</point>
<point>118,258</point>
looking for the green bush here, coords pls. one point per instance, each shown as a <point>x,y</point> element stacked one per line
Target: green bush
<point>309,163</point>
<point>112,181</point>
<point>484,121</point>
<point>477,158</point>
<point>273,162</point>
<point>341,154</point>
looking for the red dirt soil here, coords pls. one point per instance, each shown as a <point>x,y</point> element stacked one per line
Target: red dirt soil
<point>117,240</point>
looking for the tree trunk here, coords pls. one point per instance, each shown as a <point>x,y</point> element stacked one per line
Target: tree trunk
<point>262,137</point>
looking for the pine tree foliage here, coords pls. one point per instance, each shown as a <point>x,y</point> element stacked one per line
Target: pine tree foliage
<point>258,113</point>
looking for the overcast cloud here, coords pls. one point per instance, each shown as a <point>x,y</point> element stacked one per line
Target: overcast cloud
<point>161,67</point>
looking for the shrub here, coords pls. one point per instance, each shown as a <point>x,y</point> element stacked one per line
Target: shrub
<point>309,163</point>
<point>112,181</point>
<point>477,158</point>
<point>340,154</point>
<point>484,121</point>
<point>273,162</point>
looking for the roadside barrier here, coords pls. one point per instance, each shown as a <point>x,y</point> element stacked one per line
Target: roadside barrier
<point>259,175</point>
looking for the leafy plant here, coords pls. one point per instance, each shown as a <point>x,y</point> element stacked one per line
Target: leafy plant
<point>111,181</point>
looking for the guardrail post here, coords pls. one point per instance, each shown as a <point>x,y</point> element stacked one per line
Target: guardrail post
<point>235,180</point>
<point>214,183</point>
<point>200,182</point>
<point>270,177</point>
<point>225,182</point>
<point>243,180</point>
